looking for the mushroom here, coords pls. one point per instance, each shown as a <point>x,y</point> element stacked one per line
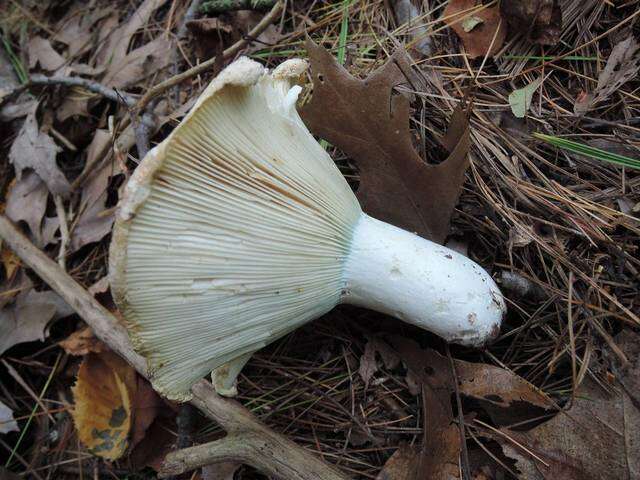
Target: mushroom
<point>238,228</point>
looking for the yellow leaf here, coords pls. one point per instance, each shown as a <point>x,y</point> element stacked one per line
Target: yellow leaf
<point>10,261</point>
<point>103,391</point>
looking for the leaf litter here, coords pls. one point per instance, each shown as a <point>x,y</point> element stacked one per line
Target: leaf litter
<point>577,217</point>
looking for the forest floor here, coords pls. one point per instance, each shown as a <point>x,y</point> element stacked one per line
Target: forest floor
<point>550,207</point>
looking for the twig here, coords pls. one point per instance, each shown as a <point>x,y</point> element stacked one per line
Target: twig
<point>260,447</point>
<point>183,29</point>
<point>229,52</point>
<point>95,87</point>
<point>64,231</point>
<point>221,6</point>
<point>466,471</point>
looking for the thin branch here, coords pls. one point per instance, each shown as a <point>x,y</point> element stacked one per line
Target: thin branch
<point>265,450</point>
<point>95,87</point>
<point>203,67</point>
<point>64,231</point>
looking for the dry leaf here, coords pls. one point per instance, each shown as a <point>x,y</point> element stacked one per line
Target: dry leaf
<point>75,29</point>
<point>369,122</point>
<point>10,262</point>
<point>82,342</point>
<point>7,422</point>
<point>623,65</point>
<point>368,363</point>
<point>401,465</point>
<point>440,449</point>
<point>102,411</point>
<point>94,219</point>
<point>408,13</point>
<point>41,52</point>
<point>124,67</point>
<point>481,30</point>
<point>498,386</point>
<point>598,438</point>
<point>27,318</point>
<point>27,202</point>
<point>520,99</point>
<point>34,149</point>
<point>140,62</point>
<point>114,406</point>
<point>539,20</point>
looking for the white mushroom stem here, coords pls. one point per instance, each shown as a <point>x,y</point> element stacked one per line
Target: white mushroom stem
<point>420,282</point>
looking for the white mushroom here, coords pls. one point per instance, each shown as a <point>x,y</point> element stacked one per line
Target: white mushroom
<point>238,228</point>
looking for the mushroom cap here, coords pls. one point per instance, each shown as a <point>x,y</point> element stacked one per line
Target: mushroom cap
<point>231,232</point>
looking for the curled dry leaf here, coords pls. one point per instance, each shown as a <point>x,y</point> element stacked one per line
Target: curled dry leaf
<point>36,150</point>
<point>440,449</point>
<point>27,202</point>
<point>82,342</point>
<point>368,121</point>
<point>27,318</point>
<point>94,220</point>
<point>401,465</point>
<point>623,65</point>
<point>368,363</point>
<point>598,438</point>
<point>481,29</point>
<point>114,406</point>
<point>539,20</point>
<point>102,404</point>
<point>42,53</point>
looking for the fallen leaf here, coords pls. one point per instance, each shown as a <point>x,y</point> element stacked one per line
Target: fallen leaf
<point>27,202</point>
<point>158,442</point>
<point>27,318</point>
<point>481,29</point>
<point>146,406</point>
<point>122,66</point>
<point>7,422</point>
<point>497,385</point>
<point>520,99</point>
<point>368,363</point>
<point>75,29</point>
<point>470,23</point>
<point>141,62</point>
<point>41,52</point>
<point>408,13</point>
<point>10,262</point>
<point>36,150</point>
<point>114,406</point>
<point>622,65</point>
<point>94,219</point>
<point>440,449</point>
<point>102,404</point>
<point>401,465</point>
<point>539,20</point>
<point>598,438</point>
<point>81,342</point>
<point>369,122</point>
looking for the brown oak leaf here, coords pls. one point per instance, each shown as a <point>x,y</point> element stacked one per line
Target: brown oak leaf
<point>481,29</point>
<point>370,122</point>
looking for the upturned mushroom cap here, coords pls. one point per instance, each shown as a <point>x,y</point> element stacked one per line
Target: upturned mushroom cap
<point>231,232</point>
<point>239,228</point>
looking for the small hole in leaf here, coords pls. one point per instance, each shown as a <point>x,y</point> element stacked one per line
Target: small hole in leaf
<point>321,78</point>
